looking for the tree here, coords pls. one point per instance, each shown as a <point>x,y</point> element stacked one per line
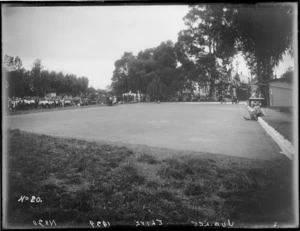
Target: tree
<point>144,67</point>
<point>288,74</point>
<point>121,81</point>
<point>36,73</point>
<point>15,81</point>
<point>14,75</point>
<point>12,64</point>
<point>264,35</point>
<point>165,69</point>
<point>262,32</point>
<point>38,81</point>
<point>149,72</point>
<point>91,90</point>
<point>84,84</point>
<point>157,89</point>
<point>207,45</point>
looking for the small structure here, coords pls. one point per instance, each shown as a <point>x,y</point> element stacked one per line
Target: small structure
<point>281,92</point>
<point>201,89</point>
<point>129,97</point>
<point>50,95</point>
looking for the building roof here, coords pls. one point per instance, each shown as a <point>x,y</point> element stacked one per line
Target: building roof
<point>242,77</point>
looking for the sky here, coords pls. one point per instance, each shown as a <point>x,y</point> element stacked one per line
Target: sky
<point>87,40</point>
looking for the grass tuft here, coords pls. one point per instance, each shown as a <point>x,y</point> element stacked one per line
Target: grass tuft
<point>147,159</point>
<point>80,181</point>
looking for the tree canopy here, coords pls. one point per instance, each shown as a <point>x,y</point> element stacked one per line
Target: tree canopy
<point>288,75</point>
<point>153,72</point>
<point>206,48</point>
<point>202,55</point>
<point>38,81</point>
<point>264,33</point>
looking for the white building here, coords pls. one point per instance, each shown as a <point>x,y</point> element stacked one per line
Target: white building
<point>201,89</point>
<point>50,95</point>
<point>281,92</point>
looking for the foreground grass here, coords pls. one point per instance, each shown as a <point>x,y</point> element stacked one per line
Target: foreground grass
<point>80,181</point>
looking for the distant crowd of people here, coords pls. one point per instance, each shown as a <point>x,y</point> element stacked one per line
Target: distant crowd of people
<point>26,103</point>
<point>128,98</point>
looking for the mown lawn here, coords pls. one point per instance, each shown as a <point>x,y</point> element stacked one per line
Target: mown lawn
<point>80,181</point>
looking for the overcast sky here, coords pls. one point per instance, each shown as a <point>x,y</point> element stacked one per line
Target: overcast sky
<point>86,41</point>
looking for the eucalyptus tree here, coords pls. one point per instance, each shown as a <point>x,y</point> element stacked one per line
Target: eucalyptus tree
<point>288,74</point>
<point>145,66</point>
<point>206,46</point>
<point>166,68</point>
<point>11,63</point>
<point>264,33</point>
<point>153,71</point>
<point>121,81</point>
<point>13,75</point>
<point>37,78</point>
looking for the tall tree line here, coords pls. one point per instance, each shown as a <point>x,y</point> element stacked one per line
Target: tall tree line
<point>204,51</point>
<point>38,81</point>
<point>153,71</point>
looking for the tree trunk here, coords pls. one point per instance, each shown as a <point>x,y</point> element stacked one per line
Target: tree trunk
<point>266,93</point>
<point>267,80</point>
<point>209,45</point>
<point>259,79</point>
<point>211,87</point>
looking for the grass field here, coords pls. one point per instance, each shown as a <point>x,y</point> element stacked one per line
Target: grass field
<point>80,181</point>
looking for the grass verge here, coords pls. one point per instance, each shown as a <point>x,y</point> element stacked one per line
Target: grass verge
<point>80,181</point>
